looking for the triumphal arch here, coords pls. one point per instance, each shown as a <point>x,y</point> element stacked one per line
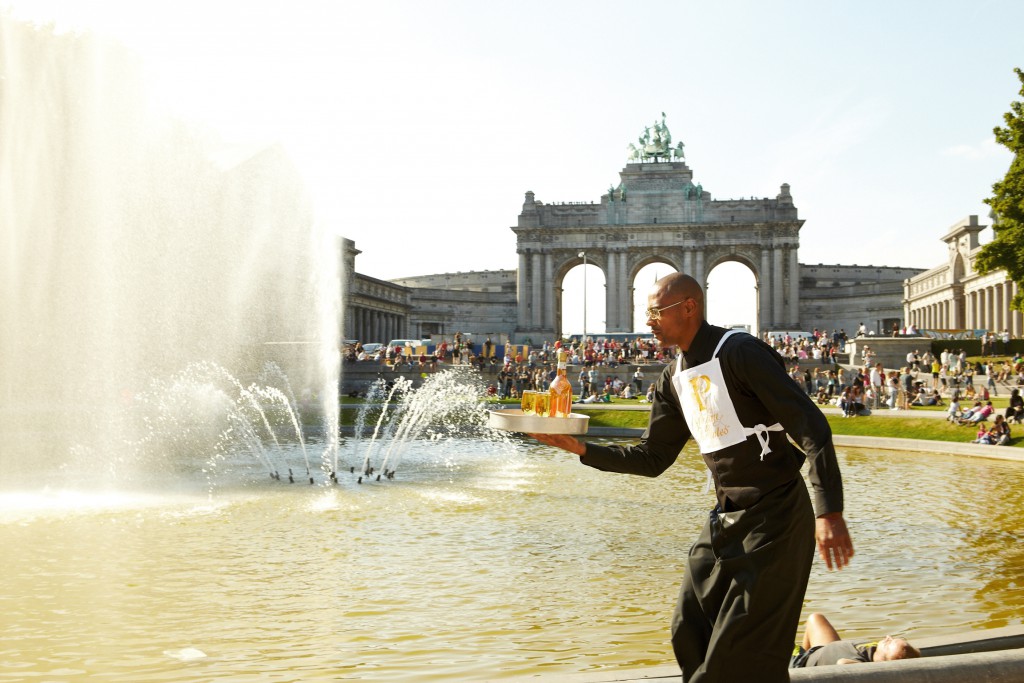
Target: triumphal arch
<point>655,214</point>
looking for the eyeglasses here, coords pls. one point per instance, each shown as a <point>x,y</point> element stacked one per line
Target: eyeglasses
<point>655,313</point>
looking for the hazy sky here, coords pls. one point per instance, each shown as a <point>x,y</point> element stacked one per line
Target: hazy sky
<point>420,125</point>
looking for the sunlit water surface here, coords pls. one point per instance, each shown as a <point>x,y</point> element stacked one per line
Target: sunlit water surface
<point>476,562</point>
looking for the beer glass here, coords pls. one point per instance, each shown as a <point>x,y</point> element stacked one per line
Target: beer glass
<point>542,403</point>
<point>529,402</point>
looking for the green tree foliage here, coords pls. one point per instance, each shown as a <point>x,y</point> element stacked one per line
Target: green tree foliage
<point>1006,250</point>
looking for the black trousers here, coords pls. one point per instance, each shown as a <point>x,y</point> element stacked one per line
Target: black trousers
<point>740,602</point>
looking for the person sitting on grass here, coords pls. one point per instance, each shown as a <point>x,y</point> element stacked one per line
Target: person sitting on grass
<point>856,402</point>
<point>846,403</point>
<point>983,436</point>
<point>953,412</point>
<point>822,646</point>
<point>1015,410</point>
<point>928,398</point>
<point>999,435</point>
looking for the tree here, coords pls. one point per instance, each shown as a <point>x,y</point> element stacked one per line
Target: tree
<point>1006,250</point>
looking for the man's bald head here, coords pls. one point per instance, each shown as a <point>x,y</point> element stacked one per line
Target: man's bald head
<point>675,310</point>
<point>678,286</point>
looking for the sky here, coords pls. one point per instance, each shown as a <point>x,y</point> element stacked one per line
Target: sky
<point>420,126</point>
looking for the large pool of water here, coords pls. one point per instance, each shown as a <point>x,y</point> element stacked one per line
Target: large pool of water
<point>478,561</point>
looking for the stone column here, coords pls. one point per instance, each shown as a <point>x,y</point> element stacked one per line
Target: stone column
<point>1007,300</point>
<point>537,303</point>
<point>1016,318</point>
<point>777,291</point>
<point>688,262</point>
<point>794,288</point>
<point>982,303</point>
<point>548,286</point>
<point>764,318</point>
<point>625,295</point>
<point>997,308</point>
<point>522,293</point>
<point>611,292</point>
<point>698,269</point>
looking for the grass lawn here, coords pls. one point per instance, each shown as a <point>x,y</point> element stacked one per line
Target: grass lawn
<point>909,427</point>
<point>912,428</point>
<point>882,427</point>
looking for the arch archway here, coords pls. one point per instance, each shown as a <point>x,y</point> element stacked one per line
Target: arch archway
<point>663,217</point>
<point>581,301</point>
<point>731,295</point>
<point>643,279</point>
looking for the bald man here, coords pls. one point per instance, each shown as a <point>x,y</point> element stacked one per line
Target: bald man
<point>745,577</point>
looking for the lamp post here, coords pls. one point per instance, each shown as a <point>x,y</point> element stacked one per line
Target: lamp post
<point>583,255</point>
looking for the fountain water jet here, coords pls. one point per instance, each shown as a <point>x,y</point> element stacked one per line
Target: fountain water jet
<point>133,247</point>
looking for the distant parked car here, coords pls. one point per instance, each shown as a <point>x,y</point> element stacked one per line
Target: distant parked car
<point>371,347</point>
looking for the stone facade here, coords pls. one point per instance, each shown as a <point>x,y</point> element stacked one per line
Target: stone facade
<point>837,297</point>
<point>955,296</point>
<point>480,303</point>
<point>374,310</point>
<point>656,214</point>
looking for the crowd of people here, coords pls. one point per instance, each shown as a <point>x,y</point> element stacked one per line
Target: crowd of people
<point>813,361</point>
<point>525,367</point>
<point>461,350</point>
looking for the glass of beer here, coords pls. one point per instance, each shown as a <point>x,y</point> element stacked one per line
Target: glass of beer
<point>529,402</point>
<point>541,404</point>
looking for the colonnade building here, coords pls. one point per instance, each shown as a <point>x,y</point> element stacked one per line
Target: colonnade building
<point>955,296</point>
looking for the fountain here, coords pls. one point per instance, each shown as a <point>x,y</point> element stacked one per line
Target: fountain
<point>133,248</point>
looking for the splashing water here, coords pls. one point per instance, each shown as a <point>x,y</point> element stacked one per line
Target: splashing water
<point>447,406</point>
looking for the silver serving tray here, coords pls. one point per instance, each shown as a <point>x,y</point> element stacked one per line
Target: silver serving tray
<point>517,421</point>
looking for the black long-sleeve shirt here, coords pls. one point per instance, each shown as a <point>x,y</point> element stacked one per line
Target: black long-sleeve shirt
<point>762,393</point>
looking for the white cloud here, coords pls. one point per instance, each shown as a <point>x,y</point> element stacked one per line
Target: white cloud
<point>986,149</point>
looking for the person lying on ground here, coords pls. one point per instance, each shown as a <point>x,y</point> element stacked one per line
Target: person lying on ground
<point>822,646</point>
<point>977,414</point>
